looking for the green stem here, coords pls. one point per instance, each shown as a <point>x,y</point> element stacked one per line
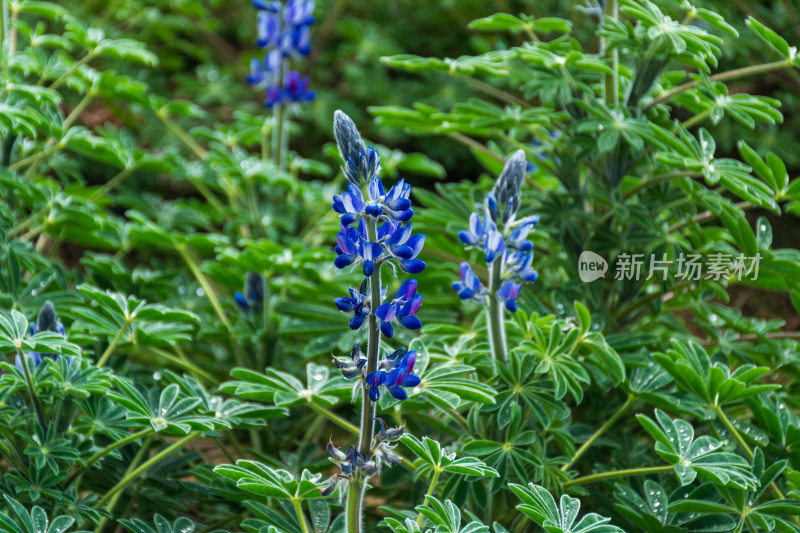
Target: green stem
<point>333,417</point>
<point>301,517</point>
<point>134,463</point>
<point>696,119</point>
<point>211,294</point>
<point>497,332</point>
<point>373,347</point>
<point>181,360</point>
<point>612,79</point>
<point>205,284</point>
<point>4,23</point>
<point>489,89</point>
<point>735,73</point>
<point>736,435</point>
<point>113,344</point>
<point>76,111</point>
<point>658,179</point>
<point>150,462</point>
<point>35,157</point>
<point>37,406</point>
<point>112,183</point>
<point>265,140</point>
<point>600,431</point>
<point>78,64</point>
<point>472,143</point>
<point>434,480</point>
<point>105,451</point>
<point>743,444</point>
<point>617,473</point>
<point>355,499</point>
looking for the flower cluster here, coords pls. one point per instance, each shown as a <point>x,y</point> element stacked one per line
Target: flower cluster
<point>47,321</point>
<point>284,32</point>
<point>397,373</point>
<point>501,237</point>
<point>375,230</point>
<point>355,463</point>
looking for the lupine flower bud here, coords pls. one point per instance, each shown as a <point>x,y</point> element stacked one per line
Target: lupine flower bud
<point>506,192</point>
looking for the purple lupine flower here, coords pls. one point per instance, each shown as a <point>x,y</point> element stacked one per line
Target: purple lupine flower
<point>357,303</point>
<point>402,309</point>
<point>283,30</point>
<point>399,375</point>
<point>494,245</point>
<point>517,238</point>
<point>353,247</point>
<point>254,290</point>
<point>518,266</point>
<point>469,286</point>
<point>295,87</point>
<point>403,246</point>
<point>508,293</point>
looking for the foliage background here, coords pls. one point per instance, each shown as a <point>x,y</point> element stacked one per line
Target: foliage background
<point>146,236</point>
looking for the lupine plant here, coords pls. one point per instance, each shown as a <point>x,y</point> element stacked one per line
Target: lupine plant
<point>202,331</point>
<point>284,33</point>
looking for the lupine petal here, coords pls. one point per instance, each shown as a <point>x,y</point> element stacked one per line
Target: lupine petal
<point>374,394</point>
<point>410,322</point>
<point>411,380</point>
<point>387,329</point>
<point>356,322</point>
<point>344,260</point>
<point>240,300</point>
<point>398,393</point>
<point>412,266</point>
<point>386,312</point>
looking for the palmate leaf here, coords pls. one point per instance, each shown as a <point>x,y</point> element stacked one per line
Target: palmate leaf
<point>539,506</point>
<point>19,520</point>
<point>704,457</point>
<point>431,457</point>
<point>181,525</point>
<point>691,368</point>
<point>285,390</point>
<point>14,337</point>
<point>261,479</point>
<point>169,411</point>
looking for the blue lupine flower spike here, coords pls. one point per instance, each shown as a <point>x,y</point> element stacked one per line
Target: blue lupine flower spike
<point>501,237</point>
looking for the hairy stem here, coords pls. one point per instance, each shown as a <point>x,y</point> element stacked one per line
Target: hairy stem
<point>434,480</point>
<point>150,462</point>
<point>744,71</point>
<point>497,332</point>
<point>617,473</point>
<point>600,431</point>
<point>355,499</point>
<point>105,451</point>
<point>301,517</point>
<point>612,79</point>
<point>355,495</point>
<point>37,406</point>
